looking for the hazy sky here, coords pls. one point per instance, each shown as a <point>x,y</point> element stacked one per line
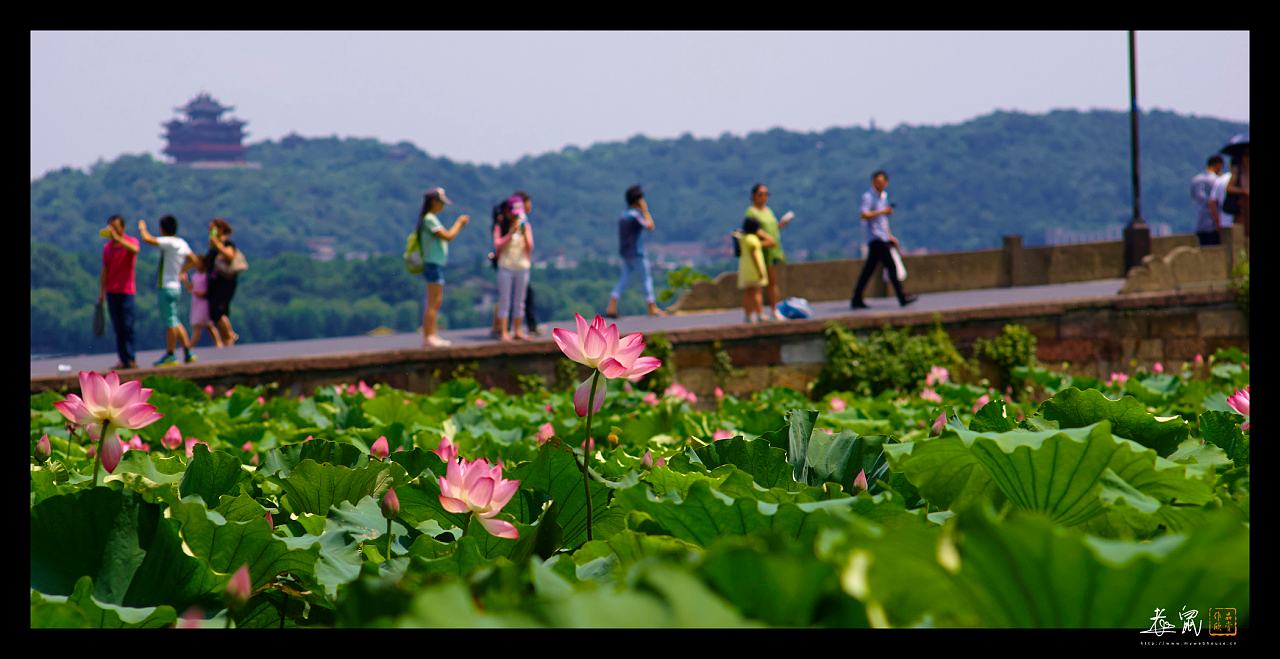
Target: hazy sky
<point>494,97</point>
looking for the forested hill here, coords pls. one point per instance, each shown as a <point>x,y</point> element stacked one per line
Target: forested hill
<point>956,187</point>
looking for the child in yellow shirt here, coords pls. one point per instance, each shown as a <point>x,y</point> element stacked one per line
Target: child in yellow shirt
<point>752,274</point>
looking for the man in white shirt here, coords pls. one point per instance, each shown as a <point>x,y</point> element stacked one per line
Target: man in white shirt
<point>175,259</point>
<point>1208,216</point>
<point>874,212</point>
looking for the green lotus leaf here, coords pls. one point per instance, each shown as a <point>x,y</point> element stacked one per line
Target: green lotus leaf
<point>1074,408</point>
<point>557,475</point>
<point>839,459</point>
<point>944,470</point>
<point>1222,429</point>
<point>799,431</point>
<point>131,552</point>
<point>315,488</point>
<point>211,475</point>
<point>785,585</point>
<point>992,418</point>
<point>1154,389</point>
<point>1025,571</point>
<point>80,609</point>
<point>765,464</point>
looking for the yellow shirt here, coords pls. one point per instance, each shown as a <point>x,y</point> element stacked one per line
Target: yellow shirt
<point>751,270</point>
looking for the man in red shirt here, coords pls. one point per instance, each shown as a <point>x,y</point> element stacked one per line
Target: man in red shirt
<point>119,257</point>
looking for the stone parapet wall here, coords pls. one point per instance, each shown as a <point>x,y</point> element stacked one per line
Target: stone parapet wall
<point>1096,335</point>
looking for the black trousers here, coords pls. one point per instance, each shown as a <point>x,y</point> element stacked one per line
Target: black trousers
<point>529,320</point>
<point>878,254</point>
<point>1209,238</point>
<point>120,306</point>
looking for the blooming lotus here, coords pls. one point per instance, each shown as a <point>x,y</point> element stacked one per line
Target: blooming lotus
<point>44,448</point>
<point>545,433</point>
<point>1117,378</point>
<point>172,438</point>
<point>678,390</point>
<point>594,343</point>
<point>837,404</point>
<point>105,400</point>
<point>982,400</point>
<point>650,398</point>
<point>364,389</point>
<point>446,450</point>
<point>1239,401</point>
<point>381,448</point>
<point>930,395</point>
<point>937,375</point>
<point>240,587</point>
<point>479,488</point>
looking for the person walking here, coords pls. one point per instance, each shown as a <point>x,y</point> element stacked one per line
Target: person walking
<point>513,243</point>
<point>434,242</point>
<point>1208,213</point>
<point>116,285</point>
<point>223,277</point>
<point>772,227</point>
<point>530,319</point>
<point>198,285</point>
<point>875,212</point>
<point>631,227</point>
<point>752,273</point>
<point>175,259</point>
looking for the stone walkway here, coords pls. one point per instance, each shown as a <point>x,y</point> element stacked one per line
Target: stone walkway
<point>886,308</point>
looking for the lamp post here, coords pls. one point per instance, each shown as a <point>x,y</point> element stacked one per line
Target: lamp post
<point>1137,235</point>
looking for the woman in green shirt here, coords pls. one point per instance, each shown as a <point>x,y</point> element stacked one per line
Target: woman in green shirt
<point>435,254</point>
<point>759,211</point>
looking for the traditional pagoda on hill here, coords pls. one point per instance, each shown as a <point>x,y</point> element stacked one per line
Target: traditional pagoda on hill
<point>205,136</point>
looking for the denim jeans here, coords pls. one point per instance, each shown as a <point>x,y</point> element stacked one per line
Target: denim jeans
<point>120,306</point>
<point>512,285</point>
<point>630,264</point>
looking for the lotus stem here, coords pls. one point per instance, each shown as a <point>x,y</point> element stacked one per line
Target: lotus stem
<point>586,480</point>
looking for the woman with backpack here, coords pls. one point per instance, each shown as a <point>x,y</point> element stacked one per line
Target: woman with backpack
<point>513,245</point>
<point>432,252</point>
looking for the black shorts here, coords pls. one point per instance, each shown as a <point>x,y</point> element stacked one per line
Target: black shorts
<point>219,295</point>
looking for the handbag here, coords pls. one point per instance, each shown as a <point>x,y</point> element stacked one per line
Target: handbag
<point>237,264</point>
<point>413,262</point>
<point>898,265</point>
<point>99,320</point>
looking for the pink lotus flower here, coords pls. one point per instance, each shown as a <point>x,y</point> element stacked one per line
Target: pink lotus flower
<point>860,483</point>
<point>136,444</point>
<point>930,395</point>
<point>240,587</point>
<point>662,462</point>
<point>190,619</point>
<point>1239,401</point>
<point>479,488</point>
<point>381,448</point>
<point>545,433</point>
<point>390,504</point>
<point>446,450</point>
<point>1199,360</point>
<point>650,398</point>
<point>191,445</point>
<point>262,401</point>
<point>583,392</point>
<point>719,393</point>
<point>548,407</point>
<point>44,448</point>
<point>247,447</point>
<point>254,460</point>
<point>1117,378</point>
<point>351,390</point>
<point>937,375</point>
<point>208,390</point>
<point>271,523</point>
<point>229,392</point>
<point>646,460</point>
<point>588,446</point>
<point>939,423</point>
<point>692,398</point>
<point>1157,368</point>
<point>721,434</point>
<point>679,391</point>
<point>106,400</point>
<point>480,402</point>
<point>837,404</point>
<point>592,344</point>
<point>364,389</point>
<point>337,389</point>
<point>982,400</point>
<point>112,450</point>
<point>172,438</point>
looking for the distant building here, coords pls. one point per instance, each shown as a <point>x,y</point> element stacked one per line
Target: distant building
<point>322,248</point>
<point>204,137</point>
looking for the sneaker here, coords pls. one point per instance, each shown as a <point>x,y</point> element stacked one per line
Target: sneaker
<point>434,341</point>
<point>191,357</point>
<point>858,304</point>
<point>909,299</point>
<point>168,360</point>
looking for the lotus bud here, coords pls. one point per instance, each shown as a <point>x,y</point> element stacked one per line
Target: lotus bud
<point>380,449</point>
<point>270,522</point>
<point>351,390</point>
<point>172,438</point>
<point>545,433</point>
<point>647,460</point>
<point>191,618</point>
<point>1199,360</point>
<point>719,394</point>
<point>860,483</point>
<point>721,434</point>
<point>208,390</point>
<point>589,446</point>
<point>92,452</point>
<point>240,587</point>
<point>548,407</point>
<point>651,398</point>
<point>1157,368</point>
<point>446,450</point>
<point>939,423</point>
<point>390,504</point>
<point>364,389</point>
<point>44,448</point>
<point>661,462</point>
<point>112,449</point>
<point>837,404</point>
<point>254,460</point>
<point>230,392</point>
<point>247,447</point>
<point>262,401</point>
<point>480,402</point>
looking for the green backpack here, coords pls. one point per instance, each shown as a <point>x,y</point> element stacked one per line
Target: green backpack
<point>413,251</point>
